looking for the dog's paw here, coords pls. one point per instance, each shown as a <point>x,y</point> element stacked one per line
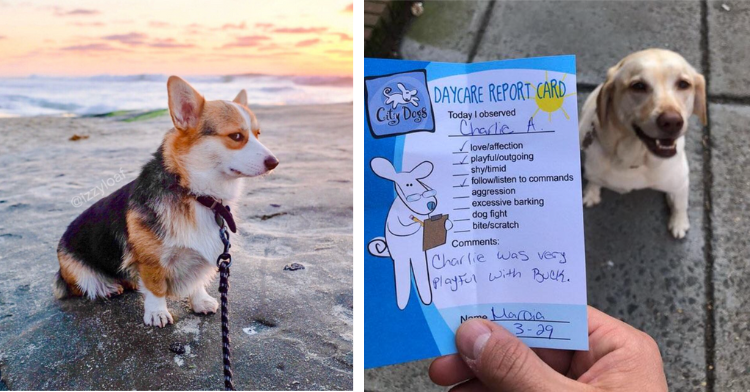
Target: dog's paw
<point>158,318</point>
<point>679,225</point>
<point>205,304</point>
<point>115,291</point>
<point>592,195</point>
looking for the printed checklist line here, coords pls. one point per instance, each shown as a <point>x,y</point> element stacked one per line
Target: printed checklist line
<point>462,220</point>
<point>460,197</point>
<point>463,184</point>
<point>460,175</point>
<point>461,231</point>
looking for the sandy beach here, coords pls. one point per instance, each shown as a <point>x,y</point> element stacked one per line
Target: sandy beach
<point>289,329</point>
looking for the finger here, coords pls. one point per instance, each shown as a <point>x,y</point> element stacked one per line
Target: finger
<point>559,360</point>
<point>473,385</point>
<point>449,370</point>
<point>502,362</point>
<point>606,335</point>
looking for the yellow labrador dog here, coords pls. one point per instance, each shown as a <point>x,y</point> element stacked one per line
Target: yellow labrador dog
<point>632,129</point>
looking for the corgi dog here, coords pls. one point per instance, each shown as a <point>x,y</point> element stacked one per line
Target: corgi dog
<point>159,233</point>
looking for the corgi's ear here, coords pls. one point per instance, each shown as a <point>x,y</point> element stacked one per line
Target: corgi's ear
<point>241,98</point>
<point>382,168</point>
<point>422,170</point>
<point>185,104</point>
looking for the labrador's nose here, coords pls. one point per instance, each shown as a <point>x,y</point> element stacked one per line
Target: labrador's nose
<point>271,162</point>
<point>670,122</point>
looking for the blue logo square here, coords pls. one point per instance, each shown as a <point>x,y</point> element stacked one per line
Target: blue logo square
<point>398,104</point>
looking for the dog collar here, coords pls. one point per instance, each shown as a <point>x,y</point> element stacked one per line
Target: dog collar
<point>219,209</point>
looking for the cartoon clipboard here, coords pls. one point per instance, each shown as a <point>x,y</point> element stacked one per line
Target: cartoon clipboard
<point>434,231</point>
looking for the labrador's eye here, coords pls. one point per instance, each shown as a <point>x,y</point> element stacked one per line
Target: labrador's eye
<point>683,84</point>
<point>237,137</point>
<point>638,86</point>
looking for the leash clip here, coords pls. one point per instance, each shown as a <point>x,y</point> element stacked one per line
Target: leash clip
<point>224,256</point>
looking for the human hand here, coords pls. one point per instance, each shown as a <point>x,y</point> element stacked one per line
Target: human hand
<point>620,358</point>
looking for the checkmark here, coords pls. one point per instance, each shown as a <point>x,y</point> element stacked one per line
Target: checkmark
<point>463,161</point>
<point>463,184</point>
<point>462,147</point>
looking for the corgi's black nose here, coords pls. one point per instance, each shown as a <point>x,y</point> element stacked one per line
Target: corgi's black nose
<point>271,163</point>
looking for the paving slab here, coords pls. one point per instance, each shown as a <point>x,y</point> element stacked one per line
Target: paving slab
<point>290,330</point>
<point>445,32</point>
<point>731,244</point>
<point>598,33</point>
<point>410,376</point>
<point>729,47</point>
<point>636,272</point>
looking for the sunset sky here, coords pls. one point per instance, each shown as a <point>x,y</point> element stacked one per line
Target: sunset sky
<point>79,37</point>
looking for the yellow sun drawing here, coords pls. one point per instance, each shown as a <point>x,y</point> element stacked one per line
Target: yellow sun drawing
<point>550,96</point>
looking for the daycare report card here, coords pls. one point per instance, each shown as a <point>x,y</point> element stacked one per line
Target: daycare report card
<point>472,205</point>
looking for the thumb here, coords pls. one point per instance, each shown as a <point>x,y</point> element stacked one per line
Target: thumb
<point>502,362</point>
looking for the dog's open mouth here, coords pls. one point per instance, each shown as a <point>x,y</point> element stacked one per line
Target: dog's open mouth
<point>664,148</point>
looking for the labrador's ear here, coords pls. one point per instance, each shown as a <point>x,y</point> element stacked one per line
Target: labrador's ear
<point>604,99</point>
<point>699,100</point>
<point>383,168</point>
<point>185,103</point>
<point>422,170</point>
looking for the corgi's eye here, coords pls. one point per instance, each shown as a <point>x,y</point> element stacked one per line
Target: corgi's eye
<point>237,137</point>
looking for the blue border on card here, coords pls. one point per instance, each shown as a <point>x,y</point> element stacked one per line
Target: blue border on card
<point>421,331</point>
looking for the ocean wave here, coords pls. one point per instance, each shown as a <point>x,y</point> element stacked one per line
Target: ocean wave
<point>91,95</point>
<point>339,81</point>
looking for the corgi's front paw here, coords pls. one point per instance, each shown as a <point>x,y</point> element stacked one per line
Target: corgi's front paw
<point>679,225</point>
<point>158,317</point>
<point>592,195</point>
<point>204,304</point>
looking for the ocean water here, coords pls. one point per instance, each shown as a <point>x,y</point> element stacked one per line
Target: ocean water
<point>80,96</point>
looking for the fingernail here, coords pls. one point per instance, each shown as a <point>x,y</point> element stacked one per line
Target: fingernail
<point>471,338</point>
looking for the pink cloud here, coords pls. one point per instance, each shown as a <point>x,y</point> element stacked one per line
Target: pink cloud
<point>349,8</point>
<point>131,39</point>
<point>85,24</point>
<point>90,47</point>
<point>342,36</point>
<point>77,11</point>
<point>229,26</point>
<point>307,42</point>
<point>157,23</point>
<point>169,43</point>
<point>340,51</point>
<point>300,30</point>
<point>264,26</point>
<point>3,37</point>
<point>247,41</point>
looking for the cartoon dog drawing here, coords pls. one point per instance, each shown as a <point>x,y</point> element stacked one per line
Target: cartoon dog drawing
<point>404,228</point>
<point>405,97</point>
